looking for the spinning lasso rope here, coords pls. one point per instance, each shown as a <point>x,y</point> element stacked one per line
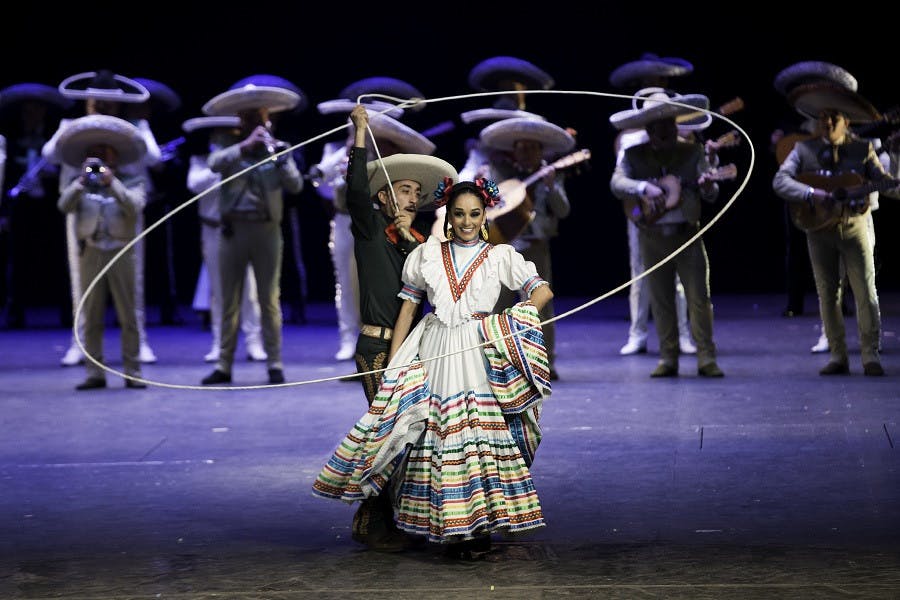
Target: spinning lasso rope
<point>404,103</point>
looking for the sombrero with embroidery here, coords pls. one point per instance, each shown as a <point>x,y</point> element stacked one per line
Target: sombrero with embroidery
<point>404,137</point>
<point>504,134</point>
<point>161,94</point>
<point>497,114</point>
<point>79,135</point>
<point>197,123</point>
<point>659,106</point>
<point>812,98</point>
<point>427,170</point>
<point>22,92</point>
<point>251,97</point>
<point>649,66</point>
<point>496,73</point>
<point>267,80</point>
<point>387,86</point>
<point>813,71</point>
<point>104,85</point>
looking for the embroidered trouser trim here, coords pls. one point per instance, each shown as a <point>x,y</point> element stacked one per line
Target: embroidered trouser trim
<point>371,355</point>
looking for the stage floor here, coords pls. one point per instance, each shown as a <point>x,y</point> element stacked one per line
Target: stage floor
<point>773,482</point>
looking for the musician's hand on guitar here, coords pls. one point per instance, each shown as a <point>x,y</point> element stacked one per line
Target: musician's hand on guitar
<point>707,182</point>
<point>653,200</point>
<point>822,197</point>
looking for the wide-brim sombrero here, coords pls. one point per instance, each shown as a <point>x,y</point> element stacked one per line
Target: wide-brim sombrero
<point>661,107</point>
<point>103,85</point>
<point>22,92</point>
<point>649,66</point>
<point>161,94</point>
<point>344,106</point>
<point>492,74</point>
<point>268,80</point>
<point>79,135</point>
<point>251,97</point>
<point>386,86</point>
<point>404,137</point>
<point>198,123</point>
<point>812,98</point>
<point>695,121</point>
<point>503,135</point>
<point>427,170</point>
<point>813,71</point>
<point>497,114</point>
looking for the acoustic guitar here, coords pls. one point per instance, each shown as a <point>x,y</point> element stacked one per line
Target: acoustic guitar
<point>848,195</point>
<point>634,208</point>
<point>671,185</point>
<point>509,218</point>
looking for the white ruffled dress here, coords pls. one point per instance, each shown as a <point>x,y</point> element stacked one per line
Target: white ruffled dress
<point>455,457</point>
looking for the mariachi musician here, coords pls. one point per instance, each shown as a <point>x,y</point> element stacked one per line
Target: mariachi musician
<point>531,143</point>
<point>792,128</point>
<point>836,223</point>
<point>637,177</point>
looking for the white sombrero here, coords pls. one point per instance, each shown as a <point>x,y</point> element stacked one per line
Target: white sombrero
<point>695,121</point>
<point>649,66</point>
<point>22,92</point>
<point>251,97</point>
<point>267,80</point>
<point>504,134</point>
<point>811,99</point>
<point>345,106</point>
<point>659,106</point>
<point>79,135</point>
<point>427,170</point>
<point>812,71</point>
<point>197,123</point>
<point>404,137</point>
<point>104,85</point>
<point>497,114</point>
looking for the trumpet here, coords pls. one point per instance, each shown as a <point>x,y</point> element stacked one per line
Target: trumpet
<point>274,146</point>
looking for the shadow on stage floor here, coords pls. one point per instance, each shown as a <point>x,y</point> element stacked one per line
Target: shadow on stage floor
<point>773,482</point>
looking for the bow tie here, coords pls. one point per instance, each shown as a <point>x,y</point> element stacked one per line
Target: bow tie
<point>394,236</point>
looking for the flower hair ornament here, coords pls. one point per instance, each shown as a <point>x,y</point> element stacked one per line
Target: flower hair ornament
<point>442,193</point>
<point>490,192</point>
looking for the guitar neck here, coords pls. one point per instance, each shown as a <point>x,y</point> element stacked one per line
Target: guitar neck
<point>539,174</point>
<point>846,185</point>
<point>566,161</point>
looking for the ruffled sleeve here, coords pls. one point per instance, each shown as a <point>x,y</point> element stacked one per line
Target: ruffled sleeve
<point>515,272</point>
<point>413,279</point>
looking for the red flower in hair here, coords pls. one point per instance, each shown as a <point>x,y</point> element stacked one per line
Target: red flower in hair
<point>442,193</point>
<point>490,192</point>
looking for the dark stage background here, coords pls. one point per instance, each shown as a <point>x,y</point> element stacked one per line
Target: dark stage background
<point>200,50</point>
